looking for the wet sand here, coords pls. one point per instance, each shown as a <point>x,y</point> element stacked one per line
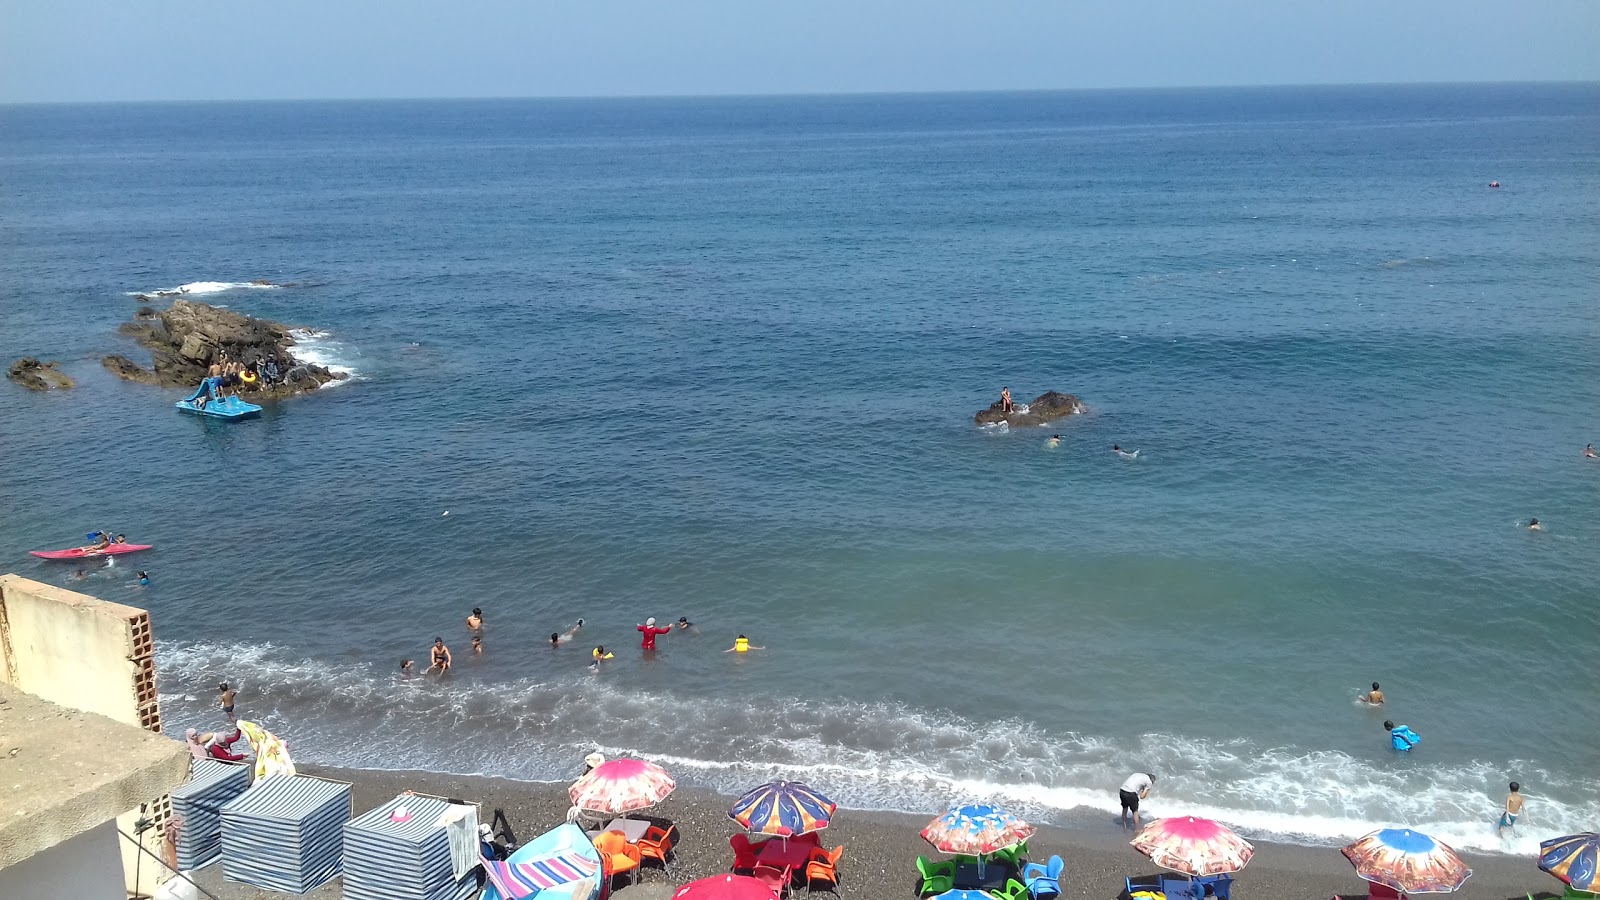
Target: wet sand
<point>881,847</point>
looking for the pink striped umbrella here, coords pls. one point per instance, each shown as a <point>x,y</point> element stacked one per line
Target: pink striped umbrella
<point>1197,847</point>
<point>621,786</point>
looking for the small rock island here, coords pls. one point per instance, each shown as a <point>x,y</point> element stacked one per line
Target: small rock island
<point>38,376</point>
<point>1047,407</point>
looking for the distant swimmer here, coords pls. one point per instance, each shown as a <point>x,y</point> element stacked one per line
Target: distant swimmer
<point>1588,452</point>
<point>1402,737</point>
<point>439,656</point>
<point>600,652</point>
<point>405,668</point>
<point>144,580</point>
<point>475,621</point>
<point>741,644</point>
<point>1006,406</point>
<point>1508,819</point>
<point>684,624</point>
<point>1054,442</point>
<point>477,644</point>
<point>650,629</point>
<point>557,640</point>
<point>1533,525</point>
<point>1373,697</point>
<point>1494,184</point>
<point>1124,453</point>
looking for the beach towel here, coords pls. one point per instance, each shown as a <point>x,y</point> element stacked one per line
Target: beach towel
<point>272,754</point>
<point>461,825</point>
<point>517,880</point>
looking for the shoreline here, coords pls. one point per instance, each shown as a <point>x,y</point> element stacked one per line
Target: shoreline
<point>881,847</point>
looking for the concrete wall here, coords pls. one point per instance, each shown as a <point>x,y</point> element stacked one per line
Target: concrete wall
<point>88,654</point>
<point>87,867</point>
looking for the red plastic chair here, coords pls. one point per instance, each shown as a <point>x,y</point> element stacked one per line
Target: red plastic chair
<point>744,853</point>
<point>773,877</point>
<point>657,843</point>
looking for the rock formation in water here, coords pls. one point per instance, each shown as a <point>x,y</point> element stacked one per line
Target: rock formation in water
<point>187,337</point>
<point>38,376</point>
<point>1047,407</point>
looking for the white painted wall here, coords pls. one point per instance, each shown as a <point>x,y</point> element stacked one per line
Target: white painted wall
<point>88,867</point>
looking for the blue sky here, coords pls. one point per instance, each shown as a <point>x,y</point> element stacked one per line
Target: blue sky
<point>287,49</point>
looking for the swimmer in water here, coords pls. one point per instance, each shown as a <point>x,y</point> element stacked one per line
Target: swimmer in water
<point>1054,442</point>
<point>684,624</point>
<point>1533,525</point>
<point>405,668</point>
<point>1588,452</point>
<point>557,640</point>
<point>600,652</point>
<point>741,644</point>
<point>477,644</point>
<point>1123,453</point>
<point>144,580</point>
<point>475,621</point>
<point>1373,697</point>
<point>439,657</point>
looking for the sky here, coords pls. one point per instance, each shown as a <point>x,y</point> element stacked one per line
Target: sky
<point>110,50</point>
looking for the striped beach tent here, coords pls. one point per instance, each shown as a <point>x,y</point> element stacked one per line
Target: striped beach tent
<point>285,833</point>
<point>197,807</point>
<point>401,851</point>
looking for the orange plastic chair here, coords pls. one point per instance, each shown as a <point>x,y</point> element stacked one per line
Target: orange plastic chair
<point>621,856</point>
<point>657,843</point>
<point>823,867</point>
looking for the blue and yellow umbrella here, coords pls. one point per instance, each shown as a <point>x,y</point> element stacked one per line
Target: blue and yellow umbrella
<point>783,808</point>
<point>1574,859</point>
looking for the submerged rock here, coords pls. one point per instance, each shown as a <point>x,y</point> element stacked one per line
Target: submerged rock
<point>1047,407</point>
<point>38,376</point>
<point>187,337</point>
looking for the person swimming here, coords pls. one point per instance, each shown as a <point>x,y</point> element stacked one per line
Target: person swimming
<point>684,624</point>
<point>144,580</point>
<point>477,644</point>
<point>557,640</point>
<point>600,652</point>
<point>1588,452</point>
<point>741,644</point>
<point>475,621</point>
<point>1373,697</point>
<point>1533,525</point>
<point>1117,449</point>
<point>1054,442</point>
<point>1402,737</point>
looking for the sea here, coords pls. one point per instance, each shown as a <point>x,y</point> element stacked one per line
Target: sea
<point>719,358</point>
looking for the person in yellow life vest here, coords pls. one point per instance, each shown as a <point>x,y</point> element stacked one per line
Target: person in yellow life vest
<point>601,653</point>
<point>741,644</point>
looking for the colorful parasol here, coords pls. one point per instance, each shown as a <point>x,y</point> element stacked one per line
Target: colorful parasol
<point>976,830</point>
<point>783,808</point>
<point>272,754</point>
<point>725,887</point>
<point>1574,859</point>
<point>1197,847</point>
<point>963,894</point>
<point>621,786</point>
<point>1407,861</point>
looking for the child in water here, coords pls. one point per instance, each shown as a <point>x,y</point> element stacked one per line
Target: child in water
<point>741,644</point>
<point>1054,442</point>
<point>1373,697</point>
<point>1402,737</point>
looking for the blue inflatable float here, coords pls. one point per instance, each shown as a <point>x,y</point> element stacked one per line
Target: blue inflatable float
<point>207,401</point>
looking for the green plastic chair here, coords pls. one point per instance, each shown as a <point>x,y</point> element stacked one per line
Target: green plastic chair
<point>937,877</point>
<point>1014,890</point>
<point>1013,855</point>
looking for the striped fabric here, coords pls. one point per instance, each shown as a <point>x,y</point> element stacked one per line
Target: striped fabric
<point>410,860</point>
<point>524,879</point>
<point>285,833</point>
<point>197,807</point>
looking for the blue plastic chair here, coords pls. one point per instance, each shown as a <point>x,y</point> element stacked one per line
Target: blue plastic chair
<point>1216,885</point>
<point>1044,881</point>
<point>1182,888</point>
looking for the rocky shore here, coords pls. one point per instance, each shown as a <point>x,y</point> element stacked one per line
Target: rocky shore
<point>1047,407</point>
<point>38,376</point>
<point>187,337</point>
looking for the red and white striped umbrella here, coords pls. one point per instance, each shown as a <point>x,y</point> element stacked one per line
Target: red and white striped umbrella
<point>621,786</point>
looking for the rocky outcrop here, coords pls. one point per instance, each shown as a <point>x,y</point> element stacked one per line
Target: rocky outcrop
<point>1047,407</point>
<point>38,376</point>
<point>187,337</point>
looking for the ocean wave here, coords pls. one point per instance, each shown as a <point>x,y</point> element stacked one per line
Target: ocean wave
<point>875,755</point>
<point>318,348</point>
<point>196,288</point>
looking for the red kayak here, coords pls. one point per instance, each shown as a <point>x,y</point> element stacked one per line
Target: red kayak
<point>80,553</point>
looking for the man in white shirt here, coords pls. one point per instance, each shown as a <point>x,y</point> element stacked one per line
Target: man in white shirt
<point>1136,788</point>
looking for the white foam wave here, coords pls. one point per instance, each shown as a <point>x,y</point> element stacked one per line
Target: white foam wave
<point>867,755</point>
<point>195,288</point>
<point>318,348</point>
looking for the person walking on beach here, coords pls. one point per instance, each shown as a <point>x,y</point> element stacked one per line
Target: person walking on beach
<point>741,644</point>
<point>1508,819</point>
<point>475,621</point>
<point>225,697</point>
<point>1373,697</point>
<point>1136,788</point>
<point>649,629</point>
<point>439,656</point>
<point>1006,406</point>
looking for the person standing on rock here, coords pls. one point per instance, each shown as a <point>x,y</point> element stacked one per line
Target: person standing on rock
<point>1006,406</point>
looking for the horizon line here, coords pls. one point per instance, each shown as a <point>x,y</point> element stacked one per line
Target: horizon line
<point>804,94</point>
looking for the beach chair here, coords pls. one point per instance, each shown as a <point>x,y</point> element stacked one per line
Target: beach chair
<point>1044,881</point>
<point>1014,890</point>
<point>1219,886</point>
<point>823,867</point>
<point>936,877</point>
<point>1012,855</point>
<point>1181,888</point>
<point>656,844</point>
<point>773,877</point>
<point>744,853</point>
<point>621,857</point>
<point>1376,891</point>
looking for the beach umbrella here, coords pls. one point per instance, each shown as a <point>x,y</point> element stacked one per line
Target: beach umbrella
<point>1196,847</point>
<point>1407,861</point>
<point>962,894</point>
<point>783,808</point>
<point>725,887</point>
<point>621,786</point>
<point>977,830</point>
<point>1574,859</point>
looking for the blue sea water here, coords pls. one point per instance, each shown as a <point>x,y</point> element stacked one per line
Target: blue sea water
<point>718,358</point>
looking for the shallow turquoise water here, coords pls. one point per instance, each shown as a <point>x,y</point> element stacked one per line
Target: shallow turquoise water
<point>719,358</point>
